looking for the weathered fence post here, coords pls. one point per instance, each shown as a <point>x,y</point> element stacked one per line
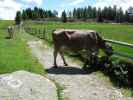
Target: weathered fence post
<point>35,31</point>
<point>44,32</point>
<point>39,31</point>
<point>39,35</point>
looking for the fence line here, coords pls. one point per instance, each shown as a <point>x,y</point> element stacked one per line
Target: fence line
<point>123,55</point>
<point>128,45</point>
<point>120,43</point>
<point>43,34</point>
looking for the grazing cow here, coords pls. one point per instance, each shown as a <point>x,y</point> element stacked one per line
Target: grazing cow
<point>78,40</point>
<point>10,31</point>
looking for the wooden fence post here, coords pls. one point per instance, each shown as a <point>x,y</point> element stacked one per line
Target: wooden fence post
<point>44,33</point>
<point>39,31</point>
<point>36,31</point>
<point>31,30</point>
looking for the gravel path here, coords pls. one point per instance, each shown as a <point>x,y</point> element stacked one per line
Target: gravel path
<point>78,85</point>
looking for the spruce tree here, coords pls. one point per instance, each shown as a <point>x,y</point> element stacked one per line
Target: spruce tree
<point>75,13</point>
<point>24,15</point>
<point>99,15</point>
<point>64,17</point>
<point>18,18</point>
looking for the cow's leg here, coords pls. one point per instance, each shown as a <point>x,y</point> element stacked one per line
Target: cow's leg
<point>55,57</point>
<point>62,56</point>
<point>94,58</point>
<point>85,64</point>
<point>10,36</point>
<point>87,60</point>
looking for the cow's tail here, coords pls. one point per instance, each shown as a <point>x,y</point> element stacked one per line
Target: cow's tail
<point>53,34</point>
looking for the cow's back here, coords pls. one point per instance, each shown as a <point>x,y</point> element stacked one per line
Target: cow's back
<point>74,39</point>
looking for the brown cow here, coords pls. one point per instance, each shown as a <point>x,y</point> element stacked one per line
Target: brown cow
<point>78,40</point>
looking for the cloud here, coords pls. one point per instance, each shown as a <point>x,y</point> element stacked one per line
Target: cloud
<point>74,2</point>
<point>125,4</point>
<point>8,8</point>
<point>34,2</point>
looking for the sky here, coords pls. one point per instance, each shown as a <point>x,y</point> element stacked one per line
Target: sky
<point>8,8</point>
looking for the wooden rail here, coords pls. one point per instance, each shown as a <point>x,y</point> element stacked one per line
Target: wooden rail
<point>120,43</point>
<point>123,55</point>
<point>45,36</point>
<point>128,45</point>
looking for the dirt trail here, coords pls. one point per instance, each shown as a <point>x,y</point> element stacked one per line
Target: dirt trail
<point>78,85</point>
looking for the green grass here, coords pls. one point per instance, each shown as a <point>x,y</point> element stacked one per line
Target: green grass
<point>111,31</point>
<point>118,32</point>
<point>14,53</point>
<point>59,91</point>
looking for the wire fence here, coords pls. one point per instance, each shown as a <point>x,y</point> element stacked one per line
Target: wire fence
<point>40,33</point>
<point>45,34</point>
<point>124,44</point>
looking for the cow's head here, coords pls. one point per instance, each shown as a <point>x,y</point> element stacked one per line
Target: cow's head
<point>107,48</point>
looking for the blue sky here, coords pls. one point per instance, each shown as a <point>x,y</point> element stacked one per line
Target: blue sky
<point>65,4</point>
<point>8,8</point>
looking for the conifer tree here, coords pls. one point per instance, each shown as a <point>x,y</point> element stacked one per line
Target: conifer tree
<point>64,17</point>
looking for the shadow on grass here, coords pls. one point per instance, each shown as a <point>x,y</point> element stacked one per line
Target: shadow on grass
<point>7,37</point>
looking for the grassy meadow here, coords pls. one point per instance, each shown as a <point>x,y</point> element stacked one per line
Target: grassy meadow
<point>119,32</point>
<point>14,53</point>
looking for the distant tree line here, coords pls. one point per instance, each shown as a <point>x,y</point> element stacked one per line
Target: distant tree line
<point>38,13</point>
<point>107,14</point>
<point>113,14</point>
<point>33,14</point>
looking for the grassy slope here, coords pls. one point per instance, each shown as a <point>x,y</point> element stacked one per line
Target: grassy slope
<point>14,54</point>
<point>110,31</point>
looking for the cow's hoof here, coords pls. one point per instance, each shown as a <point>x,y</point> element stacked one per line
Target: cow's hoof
<point>65,64</point>
<point>85,68</point>
<point>55,66</point>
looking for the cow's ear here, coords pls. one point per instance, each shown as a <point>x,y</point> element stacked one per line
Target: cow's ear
<point>67,35</point>
<point>109,44</point>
